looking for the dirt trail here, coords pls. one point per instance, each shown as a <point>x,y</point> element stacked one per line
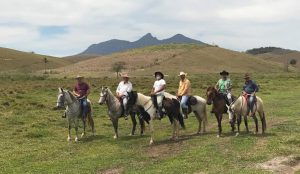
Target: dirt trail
<point>282,165</point>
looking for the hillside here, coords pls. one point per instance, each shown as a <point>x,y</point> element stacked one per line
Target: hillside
<point>116,45</point>
<point>276,54</point>
<point>173,58</point>
<point>13,60</point>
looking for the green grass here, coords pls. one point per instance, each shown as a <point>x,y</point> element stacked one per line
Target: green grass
<point>34,137</point>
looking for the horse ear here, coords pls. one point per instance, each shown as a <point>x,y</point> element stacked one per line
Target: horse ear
<point>60,90</point>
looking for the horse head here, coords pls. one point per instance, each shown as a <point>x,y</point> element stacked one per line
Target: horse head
<point>103,95</point>
<point>211,93</point>
<point>60,98</point>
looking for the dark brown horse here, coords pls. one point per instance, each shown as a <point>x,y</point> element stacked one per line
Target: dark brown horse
<point>219,107</point>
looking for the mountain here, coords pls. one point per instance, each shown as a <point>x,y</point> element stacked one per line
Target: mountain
<point>172,58</point>
<point>115,45</point>
<point>13,60</point>
<point>276,54</point>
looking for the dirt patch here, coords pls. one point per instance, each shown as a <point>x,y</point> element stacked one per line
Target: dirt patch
<point>111,171</point>
<point>163,150</point>
<point>282,165</point>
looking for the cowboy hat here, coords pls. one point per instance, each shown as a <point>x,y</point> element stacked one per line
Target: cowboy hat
<point>79,77</point>
<point>159,73</point>
<point>125,75</point>
<point>224,73</point>
<point>182,73</point>
<point>247,76</point>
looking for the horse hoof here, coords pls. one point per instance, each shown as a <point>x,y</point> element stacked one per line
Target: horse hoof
<point>115,137</point>
<point>218,136</point>
<point>131,134</point>
<point>69,139</point>
<point>82,135</point>
<point>237,134</point>
<point>151,142</point>
<point>76,139</point>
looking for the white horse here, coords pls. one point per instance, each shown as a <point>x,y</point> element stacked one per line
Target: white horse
<point>115,111</point>
<point>73,112</point>
<point>240,108</point>
<point>198,109</point>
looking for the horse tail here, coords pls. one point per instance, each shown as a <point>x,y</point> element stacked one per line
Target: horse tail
<point>264,123</point>
<point>91,120</point>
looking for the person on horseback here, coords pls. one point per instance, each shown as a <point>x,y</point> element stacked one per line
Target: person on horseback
<point>124,87</point>
<point>81,91</point>
<point>157,92</point>
<point>184,92</point>
<point>249,90</point>
<point>224,86</point>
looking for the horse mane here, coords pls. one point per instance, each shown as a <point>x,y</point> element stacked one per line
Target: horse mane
<point>71,95</point>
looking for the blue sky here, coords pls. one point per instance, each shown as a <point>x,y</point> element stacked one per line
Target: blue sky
<point>66,27</point>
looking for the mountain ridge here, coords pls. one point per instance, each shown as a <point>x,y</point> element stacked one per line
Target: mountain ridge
<point>117,45</point>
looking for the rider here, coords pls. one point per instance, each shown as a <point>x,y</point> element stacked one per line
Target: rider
<point>81,91</point>
<point>184,92</point>
<point>224,86</point>
<point>124,87</point>
<point>249,90</point>
<point>157,92</point>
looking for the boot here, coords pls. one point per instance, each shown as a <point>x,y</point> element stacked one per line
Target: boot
<point>185,113</point>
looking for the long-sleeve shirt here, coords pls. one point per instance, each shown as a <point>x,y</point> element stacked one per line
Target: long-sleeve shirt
<point>124,88</point>
<point>250,87</point>
<point>184,87</point>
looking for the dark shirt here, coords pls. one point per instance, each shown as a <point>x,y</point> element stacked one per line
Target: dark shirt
<point>250,87</point>
<point>81,88</point>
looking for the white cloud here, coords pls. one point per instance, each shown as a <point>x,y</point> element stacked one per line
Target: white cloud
<point>233,24</point>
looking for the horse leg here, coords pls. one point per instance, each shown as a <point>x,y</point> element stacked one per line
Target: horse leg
<point>76,129</point>
<point>133,124</point>
<point>152,131</point>
<point>256,123</point>
<point>232,123</point>
<point>246,124</point>
<point>199,121</point>
<point>239,120</point>
<point>115,124</point>
<point>69,129</point>
<point>84,127</point>
<point>142,123</point>
<point>219,119</point>
<point>174,130</point>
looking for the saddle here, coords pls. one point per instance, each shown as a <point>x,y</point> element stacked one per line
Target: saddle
<point>190,102</point>
<point>246,100</point>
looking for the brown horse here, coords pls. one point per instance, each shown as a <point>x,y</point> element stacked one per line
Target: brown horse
<point>219,107</point>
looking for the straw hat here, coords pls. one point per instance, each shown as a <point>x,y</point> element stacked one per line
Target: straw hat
<point>125,75</point>
<point>182,74</point>
<point>79,77</point>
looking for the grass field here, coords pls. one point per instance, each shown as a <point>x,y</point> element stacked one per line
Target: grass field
<point>34,137</point>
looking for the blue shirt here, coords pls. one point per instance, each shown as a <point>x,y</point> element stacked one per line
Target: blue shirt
<point>250,86</point>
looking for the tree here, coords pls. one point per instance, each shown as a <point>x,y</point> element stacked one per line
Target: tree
<point>118,67</point>
<point>293,62</point>
<point>45,62</point>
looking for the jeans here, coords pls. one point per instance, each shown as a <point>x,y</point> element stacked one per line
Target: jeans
<point>251,102</point>
<point>84,106</point>
<point>125,101</point>
<point>183,101</point>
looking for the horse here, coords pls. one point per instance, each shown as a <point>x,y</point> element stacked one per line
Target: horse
<point>74,112</point>
<point>219,107</point>
<point>240,108</point>
<point>115,111</point>
<point>198,109</point>
<point>148,111</point>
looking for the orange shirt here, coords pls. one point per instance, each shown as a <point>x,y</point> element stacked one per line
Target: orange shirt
<point>184,88</point>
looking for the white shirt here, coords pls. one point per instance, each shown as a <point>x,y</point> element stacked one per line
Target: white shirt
<point>158,84</point>
<point>124,88</point>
